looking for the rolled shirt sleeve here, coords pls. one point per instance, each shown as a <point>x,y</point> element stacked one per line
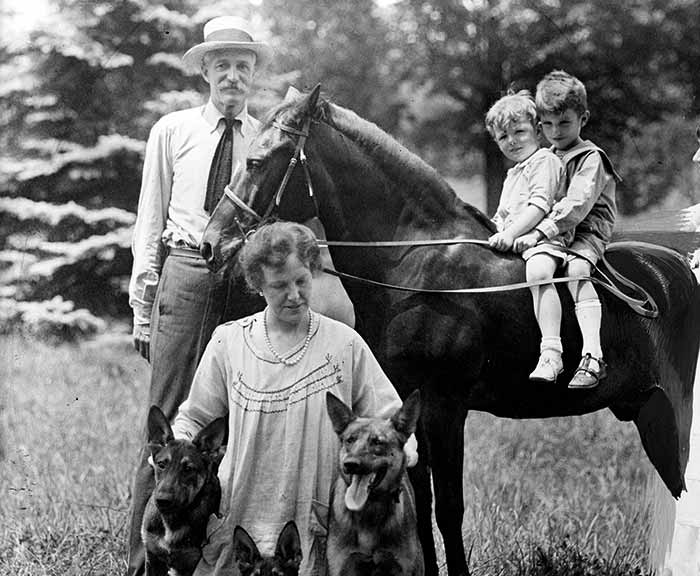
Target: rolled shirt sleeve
<point>536,181</point>
<point>207,399</point>
<point>375,395</point>
<point>544,176</point>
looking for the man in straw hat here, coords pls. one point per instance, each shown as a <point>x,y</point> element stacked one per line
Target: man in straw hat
<point>190,156</point>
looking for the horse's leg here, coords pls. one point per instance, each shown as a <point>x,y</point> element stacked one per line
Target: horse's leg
<point>444,425</point>
<point>420,480</point>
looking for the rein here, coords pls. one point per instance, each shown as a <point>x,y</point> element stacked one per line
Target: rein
<point>645,306</point>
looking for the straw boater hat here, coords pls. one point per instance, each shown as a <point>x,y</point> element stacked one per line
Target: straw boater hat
<point>227,32</point>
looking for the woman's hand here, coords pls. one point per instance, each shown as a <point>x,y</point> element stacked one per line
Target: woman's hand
<point>526,241</point>
<point>410,449</point>
<point>501,241</point>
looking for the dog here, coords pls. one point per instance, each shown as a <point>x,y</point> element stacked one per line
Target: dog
<point>372,521</point>
<point>186,493</point>
<point>285,561</point>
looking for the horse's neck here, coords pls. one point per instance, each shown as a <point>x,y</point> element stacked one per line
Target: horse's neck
<point>383,192</point>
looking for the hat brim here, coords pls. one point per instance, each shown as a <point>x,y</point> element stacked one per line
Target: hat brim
<point>194,56</point>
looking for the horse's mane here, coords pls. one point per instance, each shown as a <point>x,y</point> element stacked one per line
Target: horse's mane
<point>413,178</point>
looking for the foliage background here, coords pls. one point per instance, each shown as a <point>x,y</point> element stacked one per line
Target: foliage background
<point>79,94</point>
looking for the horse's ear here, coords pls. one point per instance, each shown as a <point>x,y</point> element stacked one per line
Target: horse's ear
<point>312,100</point>
<point>292,93</point>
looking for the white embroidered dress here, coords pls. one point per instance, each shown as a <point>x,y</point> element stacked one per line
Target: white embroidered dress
<point>282,451</point>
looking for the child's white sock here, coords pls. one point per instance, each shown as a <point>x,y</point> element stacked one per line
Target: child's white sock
<point>589,314</point>
<point>551,343</point>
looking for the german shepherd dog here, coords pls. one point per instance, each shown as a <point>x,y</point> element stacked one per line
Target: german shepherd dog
<point>372,522</point>
<point>285,561</point>
<point>186,493</point>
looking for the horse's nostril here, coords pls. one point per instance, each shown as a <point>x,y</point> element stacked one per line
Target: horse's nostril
<point>206,251</point>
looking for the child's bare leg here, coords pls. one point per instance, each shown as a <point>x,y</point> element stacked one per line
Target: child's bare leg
<point>547,307</point>
<point>589,315</point>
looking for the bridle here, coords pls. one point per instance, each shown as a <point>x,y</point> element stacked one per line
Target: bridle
<point>299,157</point>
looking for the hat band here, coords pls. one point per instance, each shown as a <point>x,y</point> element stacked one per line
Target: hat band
<point>228,35</point>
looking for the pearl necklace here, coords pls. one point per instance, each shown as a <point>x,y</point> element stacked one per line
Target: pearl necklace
<point>296,357</point>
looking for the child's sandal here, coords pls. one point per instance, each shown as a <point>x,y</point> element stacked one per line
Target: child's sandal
<point>586,376</point>
<point>548,369</point>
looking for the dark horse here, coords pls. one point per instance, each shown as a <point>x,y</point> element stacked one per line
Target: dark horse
<point>463,351</point>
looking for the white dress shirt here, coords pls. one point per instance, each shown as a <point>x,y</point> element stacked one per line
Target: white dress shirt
<point>171,213</point>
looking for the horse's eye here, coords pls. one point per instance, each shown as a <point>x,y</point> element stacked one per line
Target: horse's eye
<point>253,163</point>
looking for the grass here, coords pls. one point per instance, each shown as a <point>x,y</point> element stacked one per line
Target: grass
<point>543,497</point>
<point>70,439</point>
<point>560,496</point>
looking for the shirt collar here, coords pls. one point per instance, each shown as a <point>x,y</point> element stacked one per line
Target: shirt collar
<point>212,116</point>
<point>530,158</point>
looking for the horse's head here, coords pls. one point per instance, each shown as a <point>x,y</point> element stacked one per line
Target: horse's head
<point>276,164</point>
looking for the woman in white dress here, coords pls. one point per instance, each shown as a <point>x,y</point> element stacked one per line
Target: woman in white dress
<point>270,373</point>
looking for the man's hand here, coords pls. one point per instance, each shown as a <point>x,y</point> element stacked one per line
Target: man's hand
<point>526,241</point>
<point>501,241</point>
<point>142,340</point>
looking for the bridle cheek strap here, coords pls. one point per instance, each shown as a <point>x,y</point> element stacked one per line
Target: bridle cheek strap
<point>298,156</point>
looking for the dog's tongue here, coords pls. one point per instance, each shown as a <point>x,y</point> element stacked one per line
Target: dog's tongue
<point>357,493</point>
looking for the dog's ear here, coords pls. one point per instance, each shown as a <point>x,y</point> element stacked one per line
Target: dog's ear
<point>406,418</point>
<point>211,437</point>
<point>159,430</point>
<point>245,552</point>
<point>340,414</point>
<point>288,548</point>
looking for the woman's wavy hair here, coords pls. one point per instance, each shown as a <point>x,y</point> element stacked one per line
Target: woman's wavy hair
<point>271,245</point>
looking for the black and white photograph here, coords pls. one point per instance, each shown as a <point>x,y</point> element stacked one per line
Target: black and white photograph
<point>349,287</point>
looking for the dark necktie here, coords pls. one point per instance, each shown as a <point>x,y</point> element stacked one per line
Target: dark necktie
<point>220,171</point>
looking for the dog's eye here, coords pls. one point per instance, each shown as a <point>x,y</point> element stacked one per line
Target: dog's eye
<point>162,464</point>
<point>350,439</point>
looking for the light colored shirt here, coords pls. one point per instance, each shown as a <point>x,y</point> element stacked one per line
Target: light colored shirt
<point>587,204</point>
<point>171,213</point>
<point>282,453</point>
<point>534,181</point>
